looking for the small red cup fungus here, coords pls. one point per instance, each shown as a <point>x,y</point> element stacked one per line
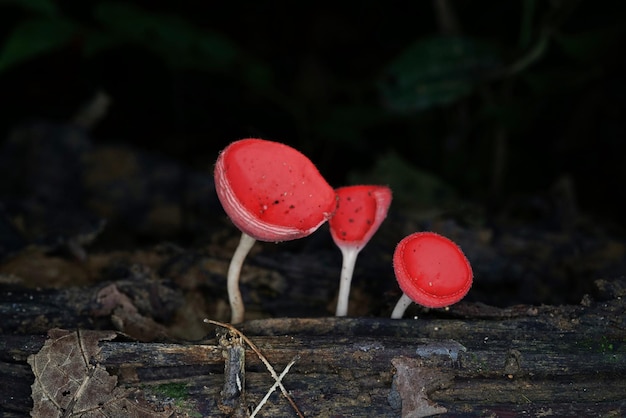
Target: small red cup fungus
<point>272,193</point>
<point>360,211</point>
<point>431,270</point>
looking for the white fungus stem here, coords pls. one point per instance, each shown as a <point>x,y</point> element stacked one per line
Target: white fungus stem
<point>403,303</point>
<point>347,269</point>
<point>234,270</point>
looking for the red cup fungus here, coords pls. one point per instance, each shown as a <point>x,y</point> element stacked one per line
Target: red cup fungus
<point>360,211</point>
<point>431,270</point>
<point>272,193</point>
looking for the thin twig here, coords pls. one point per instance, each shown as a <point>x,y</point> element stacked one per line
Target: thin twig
<point>262,358</point>
<point>273,388</point>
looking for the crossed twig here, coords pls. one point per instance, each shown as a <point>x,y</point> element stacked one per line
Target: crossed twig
<point>269,367</point>
<point>273,388</point>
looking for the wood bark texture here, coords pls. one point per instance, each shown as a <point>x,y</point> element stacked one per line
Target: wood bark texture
<point>520,361</point>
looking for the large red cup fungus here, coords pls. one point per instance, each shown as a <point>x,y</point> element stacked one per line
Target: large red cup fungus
<point>272,193</point>
<point>360,211</point>
<point>431,271</point>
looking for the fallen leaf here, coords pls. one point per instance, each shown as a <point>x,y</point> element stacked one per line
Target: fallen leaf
<point>69,381</point>
<point>126,317</point>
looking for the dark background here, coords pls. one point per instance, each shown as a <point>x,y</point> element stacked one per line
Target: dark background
<point>498,124</point>
<point>313,75</point>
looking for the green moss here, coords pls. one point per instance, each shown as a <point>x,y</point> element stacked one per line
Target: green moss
<point>613,348</point>
<point>176,391</point>
<point>179,396</point>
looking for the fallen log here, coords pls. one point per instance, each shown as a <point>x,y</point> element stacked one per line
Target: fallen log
<point>522,361</point>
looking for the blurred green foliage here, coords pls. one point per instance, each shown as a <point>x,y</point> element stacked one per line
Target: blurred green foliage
<point>173,39</point>
<point>437,72</point>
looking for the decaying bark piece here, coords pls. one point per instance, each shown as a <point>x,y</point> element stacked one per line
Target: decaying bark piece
<point>412,383</point>
<point>233,396</point>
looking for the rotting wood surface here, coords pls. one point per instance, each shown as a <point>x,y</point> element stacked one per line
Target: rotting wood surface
<point>532,361</point>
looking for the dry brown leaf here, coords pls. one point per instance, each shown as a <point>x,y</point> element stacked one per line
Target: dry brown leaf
<point>70,382</point>
<point>126,317</point>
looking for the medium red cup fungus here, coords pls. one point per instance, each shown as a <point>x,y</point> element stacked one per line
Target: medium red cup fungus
<point>431,271</point>
<point>272,193</point>
<point>360,211</point>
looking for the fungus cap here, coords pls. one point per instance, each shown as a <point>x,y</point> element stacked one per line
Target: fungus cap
<point>432,270</point>
<point>360,211</point>
<point>271,191</point>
